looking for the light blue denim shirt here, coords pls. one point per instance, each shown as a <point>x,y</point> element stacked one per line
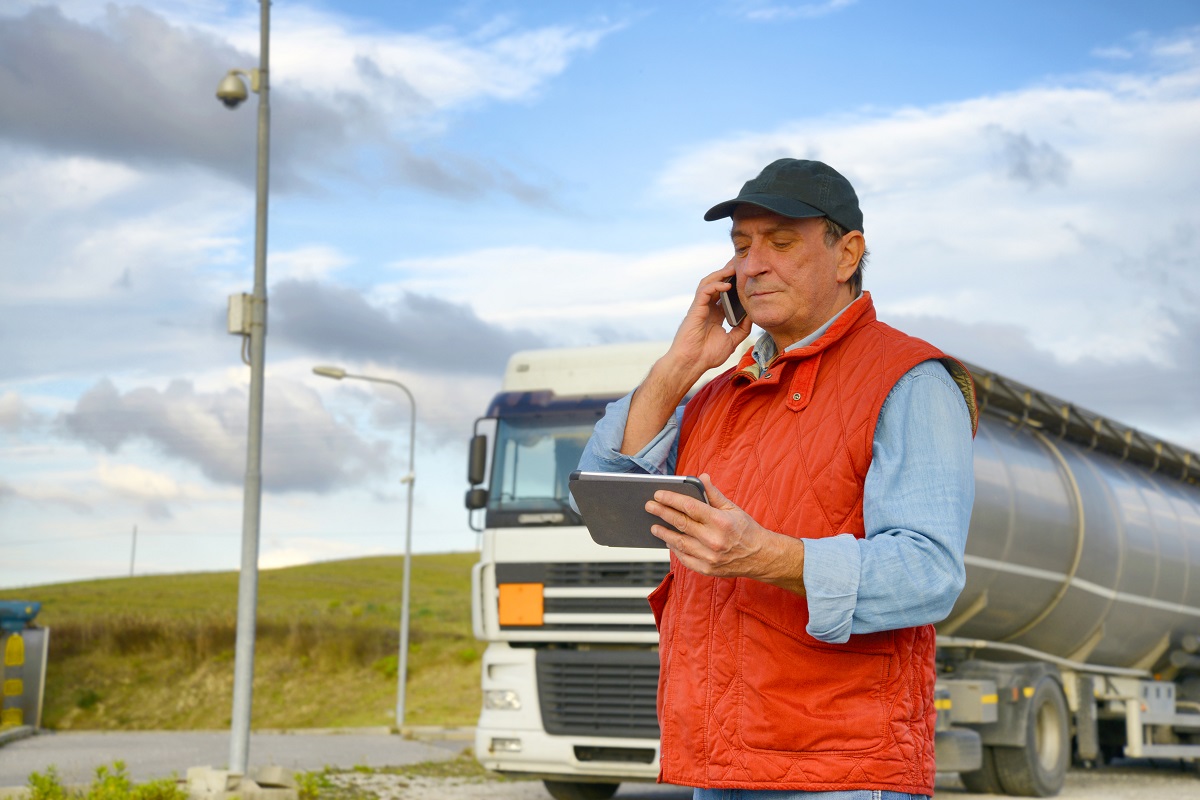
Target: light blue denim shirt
<point>908,569</point>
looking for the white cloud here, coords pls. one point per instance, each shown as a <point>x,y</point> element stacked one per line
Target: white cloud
<point>1113,52</point>
<point>770,11</point>
<point>15,413</point>
<point>306,263</point>
<point>83,229</point>
<point>428,71</point>
<point>33,187</point>
<point>136,481</point>
<point>141,483</point>
<point>568,295</point>
<point>406,79</point>
<point>207,431</point>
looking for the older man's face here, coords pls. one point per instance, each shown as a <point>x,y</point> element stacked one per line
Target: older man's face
<point>790,281</point>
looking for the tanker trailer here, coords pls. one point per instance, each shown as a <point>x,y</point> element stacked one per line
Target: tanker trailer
<point>1080,619</point>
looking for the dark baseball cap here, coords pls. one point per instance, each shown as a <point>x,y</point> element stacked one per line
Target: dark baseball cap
<point>796,188</point>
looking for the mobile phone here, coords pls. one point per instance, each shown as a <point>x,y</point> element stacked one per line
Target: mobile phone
<point>731,304</point>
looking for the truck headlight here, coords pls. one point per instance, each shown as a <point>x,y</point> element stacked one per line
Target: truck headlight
<point>501,700</point>
<point>506,745</point>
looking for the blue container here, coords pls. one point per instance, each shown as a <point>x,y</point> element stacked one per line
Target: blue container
<point>15,615</point>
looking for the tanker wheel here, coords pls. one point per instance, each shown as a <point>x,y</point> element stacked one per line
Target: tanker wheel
<point>1039,768</point>
<point>983,780</point>
<point>571,790</point>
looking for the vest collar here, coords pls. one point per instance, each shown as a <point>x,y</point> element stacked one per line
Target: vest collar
<point>858,313</point>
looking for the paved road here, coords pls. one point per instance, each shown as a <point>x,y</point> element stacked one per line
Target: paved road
<point>152,755</point>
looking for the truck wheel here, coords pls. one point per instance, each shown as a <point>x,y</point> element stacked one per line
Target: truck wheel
<point>1039,768</point>
<point>571,790</point>
<point>983,780</point>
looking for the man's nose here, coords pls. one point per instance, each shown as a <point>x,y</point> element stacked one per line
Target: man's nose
<point>754,262</point>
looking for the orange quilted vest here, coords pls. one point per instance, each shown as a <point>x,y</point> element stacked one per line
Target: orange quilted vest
<point>746,697</point>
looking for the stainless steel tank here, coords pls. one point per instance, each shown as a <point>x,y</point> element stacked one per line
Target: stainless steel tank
<point>1085,536</point>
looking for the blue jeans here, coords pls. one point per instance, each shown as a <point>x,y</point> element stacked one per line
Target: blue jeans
<point>770,794</point>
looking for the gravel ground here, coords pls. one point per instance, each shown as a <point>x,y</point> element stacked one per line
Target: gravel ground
<point>394,787</point>
<point>1127,781</point>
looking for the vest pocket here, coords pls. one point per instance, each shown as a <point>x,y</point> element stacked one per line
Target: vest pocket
<point>658,605</point>
<point>801,695</point>
<point>658,599</point>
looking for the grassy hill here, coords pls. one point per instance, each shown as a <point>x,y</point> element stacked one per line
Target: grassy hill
<point>156,652</point>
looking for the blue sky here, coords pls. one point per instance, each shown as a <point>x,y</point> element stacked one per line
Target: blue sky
<point>455,181</point>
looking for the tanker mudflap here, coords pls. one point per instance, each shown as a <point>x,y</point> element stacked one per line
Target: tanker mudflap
<point>958,750</point>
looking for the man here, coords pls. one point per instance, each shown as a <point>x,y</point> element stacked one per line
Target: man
<point>795,624</point>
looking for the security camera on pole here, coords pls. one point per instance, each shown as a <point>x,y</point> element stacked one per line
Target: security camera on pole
<point>248,318</point>
<point>232,89</point>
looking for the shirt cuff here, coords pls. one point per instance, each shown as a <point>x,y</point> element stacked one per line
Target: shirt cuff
<point>831,575</point>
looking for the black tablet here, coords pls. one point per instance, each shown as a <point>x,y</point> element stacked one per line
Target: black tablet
<point>613,504</point>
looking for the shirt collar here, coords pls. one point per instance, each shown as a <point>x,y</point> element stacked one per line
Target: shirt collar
<point>765,350</point>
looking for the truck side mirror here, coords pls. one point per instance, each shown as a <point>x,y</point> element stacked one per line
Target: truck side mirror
<point>477,498</point>
<point>477,462</point>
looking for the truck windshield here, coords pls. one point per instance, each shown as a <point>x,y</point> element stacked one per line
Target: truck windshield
<point>534,458</point>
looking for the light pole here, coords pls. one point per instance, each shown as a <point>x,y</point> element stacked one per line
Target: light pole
<point>337,373</point>
<point>232,91</point>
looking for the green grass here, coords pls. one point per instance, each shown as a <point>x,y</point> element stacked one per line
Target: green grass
<point>156,652</point>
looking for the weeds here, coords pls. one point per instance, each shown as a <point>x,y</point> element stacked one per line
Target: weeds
<point>311,785</point>
<point>46,787</point>
<point>323,786</point>
<point>109,784</point>
<point>359,782</point>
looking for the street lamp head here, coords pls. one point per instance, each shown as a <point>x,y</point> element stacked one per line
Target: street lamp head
<point>337,373</point>
<point>232,89</point>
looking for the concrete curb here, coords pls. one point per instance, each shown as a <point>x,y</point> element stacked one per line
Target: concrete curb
<point>435,732</point>
<point>13,734</point>
<point>413,732</point>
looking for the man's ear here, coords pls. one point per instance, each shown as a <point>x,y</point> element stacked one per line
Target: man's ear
<point>850,252</point>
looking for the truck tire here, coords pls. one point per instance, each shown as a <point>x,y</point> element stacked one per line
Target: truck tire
<point>571,790</point>
<point>983,780</point>
<point>1039,768</point>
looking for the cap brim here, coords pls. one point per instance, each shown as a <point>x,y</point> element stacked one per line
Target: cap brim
<point>784,206</point>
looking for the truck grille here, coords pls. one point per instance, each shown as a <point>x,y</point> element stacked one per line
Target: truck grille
<point>599,692</point>
<point>648,574</point>
<point>590,605</point>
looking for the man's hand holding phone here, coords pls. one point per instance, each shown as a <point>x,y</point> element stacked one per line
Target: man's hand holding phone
<point>702,340</point>
<point>700,343</point>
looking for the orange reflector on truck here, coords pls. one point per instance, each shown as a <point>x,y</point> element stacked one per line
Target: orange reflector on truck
<point>521,604</point>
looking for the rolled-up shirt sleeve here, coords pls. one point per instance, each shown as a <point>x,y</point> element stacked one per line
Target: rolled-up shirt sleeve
<point>603,450</point>
<point>908,568</point>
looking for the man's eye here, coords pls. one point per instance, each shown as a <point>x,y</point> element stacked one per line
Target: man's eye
<point>781,244</point>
